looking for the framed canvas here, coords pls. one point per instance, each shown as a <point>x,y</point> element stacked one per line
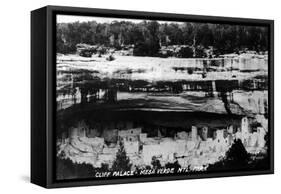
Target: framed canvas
<point>126,96</point>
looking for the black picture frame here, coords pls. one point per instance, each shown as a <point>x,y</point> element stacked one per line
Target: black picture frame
<point>43,91</point>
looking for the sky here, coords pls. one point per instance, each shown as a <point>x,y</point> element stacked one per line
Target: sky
<point>71,19</point>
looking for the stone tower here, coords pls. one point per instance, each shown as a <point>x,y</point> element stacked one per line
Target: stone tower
<point>245,130</point>
<point>194,133</point>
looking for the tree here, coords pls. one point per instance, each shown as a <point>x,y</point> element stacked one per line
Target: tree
<point>237,158</point>
<point>237,153</point>
<point>148,45</point>
<point>147,35</point>
<point>155,163</point>
<point>66,169</point>
<point>122,162</point>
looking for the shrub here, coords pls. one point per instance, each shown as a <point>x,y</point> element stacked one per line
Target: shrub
<point>155,163</point>
<point>185,52</point>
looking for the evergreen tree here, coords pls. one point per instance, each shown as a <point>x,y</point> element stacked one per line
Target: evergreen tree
<point>122,162</point>
<point>237,158</point>
<point>147,35</point>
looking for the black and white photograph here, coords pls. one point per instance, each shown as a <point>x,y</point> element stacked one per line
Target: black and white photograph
<point>148,98</point>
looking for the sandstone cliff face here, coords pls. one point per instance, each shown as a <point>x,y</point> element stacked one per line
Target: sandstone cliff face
<point>230,90</point>
<point>254,103</point>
